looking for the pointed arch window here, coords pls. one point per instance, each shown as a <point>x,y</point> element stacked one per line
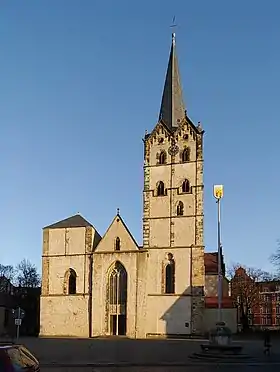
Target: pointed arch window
<point>118,285</point>
<point>180,209</point>
<point>186,186</point>
<point>71,277</point>
<point>162,157</point>
<point>160,189</point>
<point>118,244</point>
<point>186,155</point>
<point>170,275</point>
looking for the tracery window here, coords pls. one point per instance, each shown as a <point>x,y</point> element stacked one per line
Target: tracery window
<point>162,157</point>
<point>186,186</point>
<point>186,155</point>
<point>160,189</point>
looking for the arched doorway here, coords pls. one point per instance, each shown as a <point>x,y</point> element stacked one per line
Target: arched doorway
<point>117,301</point>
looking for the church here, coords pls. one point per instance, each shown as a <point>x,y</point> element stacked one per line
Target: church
<point>95,285</point>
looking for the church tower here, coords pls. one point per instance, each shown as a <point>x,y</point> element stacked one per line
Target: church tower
<point>173,214</point>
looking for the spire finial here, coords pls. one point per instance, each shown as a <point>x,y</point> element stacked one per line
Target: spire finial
<point>173,25</point>
<point>118,211</point>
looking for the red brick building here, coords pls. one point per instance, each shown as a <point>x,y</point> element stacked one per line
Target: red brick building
<point>257,302</point>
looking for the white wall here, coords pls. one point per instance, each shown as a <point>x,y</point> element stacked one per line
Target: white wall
<point>168,315</point>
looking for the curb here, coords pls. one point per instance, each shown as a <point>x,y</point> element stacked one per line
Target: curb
<point>170,364</point>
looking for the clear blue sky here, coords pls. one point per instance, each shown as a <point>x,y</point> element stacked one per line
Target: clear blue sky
<point>80,81</point>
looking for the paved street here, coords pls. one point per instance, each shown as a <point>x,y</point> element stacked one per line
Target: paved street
<point>166,369</point>
<point>74,354</point>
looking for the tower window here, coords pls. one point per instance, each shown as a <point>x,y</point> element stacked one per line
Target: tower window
<point>180,209</point>
<point>162,157</point>
<point>186,155</point>
<point>72,282</point>
<point>160,189</point>
<point>118,244</point>
<point>170,275</point>
<point>186,186</point>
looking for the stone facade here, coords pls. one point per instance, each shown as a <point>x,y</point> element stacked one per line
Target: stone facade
<point>93,286</point>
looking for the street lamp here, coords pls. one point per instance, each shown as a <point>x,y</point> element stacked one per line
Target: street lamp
<point>218,194</point>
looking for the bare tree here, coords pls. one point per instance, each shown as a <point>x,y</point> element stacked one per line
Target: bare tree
<point>6,277</point>
<point>27,275</point>
<point>245,290</point>
<point>275,258</point>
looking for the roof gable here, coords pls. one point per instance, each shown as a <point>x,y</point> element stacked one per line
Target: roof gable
<point>70,222</point>
<point>211,263</point>
<point>117,229</point>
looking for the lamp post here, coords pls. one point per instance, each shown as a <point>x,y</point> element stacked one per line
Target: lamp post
<point>218,194</point>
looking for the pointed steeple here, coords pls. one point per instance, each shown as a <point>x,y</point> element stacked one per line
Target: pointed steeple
<point>172,109</point>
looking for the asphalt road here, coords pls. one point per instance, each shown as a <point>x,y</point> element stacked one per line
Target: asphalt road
<point>167,369</point>
<point>125,350</point>
<point>76,353</point>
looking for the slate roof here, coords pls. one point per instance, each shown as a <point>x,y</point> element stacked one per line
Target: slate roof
<point>172,109</point>
<point>74,221</point>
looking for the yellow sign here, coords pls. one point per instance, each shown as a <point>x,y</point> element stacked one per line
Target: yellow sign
<point>218,191</point>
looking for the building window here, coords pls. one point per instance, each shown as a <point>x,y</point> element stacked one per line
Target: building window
<point>180,209</point>
<point>70,282</point>
<point>162,158</point>
<point>118,244</point>
<point>160,189</point>
<point>266,320</point>
<point>170,275</point>
<point>186,155</point>
<point>186,186</point>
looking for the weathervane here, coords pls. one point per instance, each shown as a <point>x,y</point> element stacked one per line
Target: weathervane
<point>173,26</point>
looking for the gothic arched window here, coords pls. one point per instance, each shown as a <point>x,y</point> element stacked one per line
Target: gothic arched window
<point>170,275</point>
<point>72,282</point>
<point>186,186</point>
<point>186,155</point>
<point>162,157</point>
<point>160,189</point>
<point>180,209</point>
<point>117,299</point>
<point>118,244</point>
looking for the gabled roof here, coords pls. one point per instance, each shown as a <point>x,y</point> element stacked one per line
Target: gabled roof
<point>102,245</point>
<point>211,263</point>
<point>74,221</point>
<point>127,229</point>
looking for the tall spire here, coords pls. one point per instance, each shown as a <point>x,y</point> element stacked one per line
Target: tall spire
<point>172,109</point>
